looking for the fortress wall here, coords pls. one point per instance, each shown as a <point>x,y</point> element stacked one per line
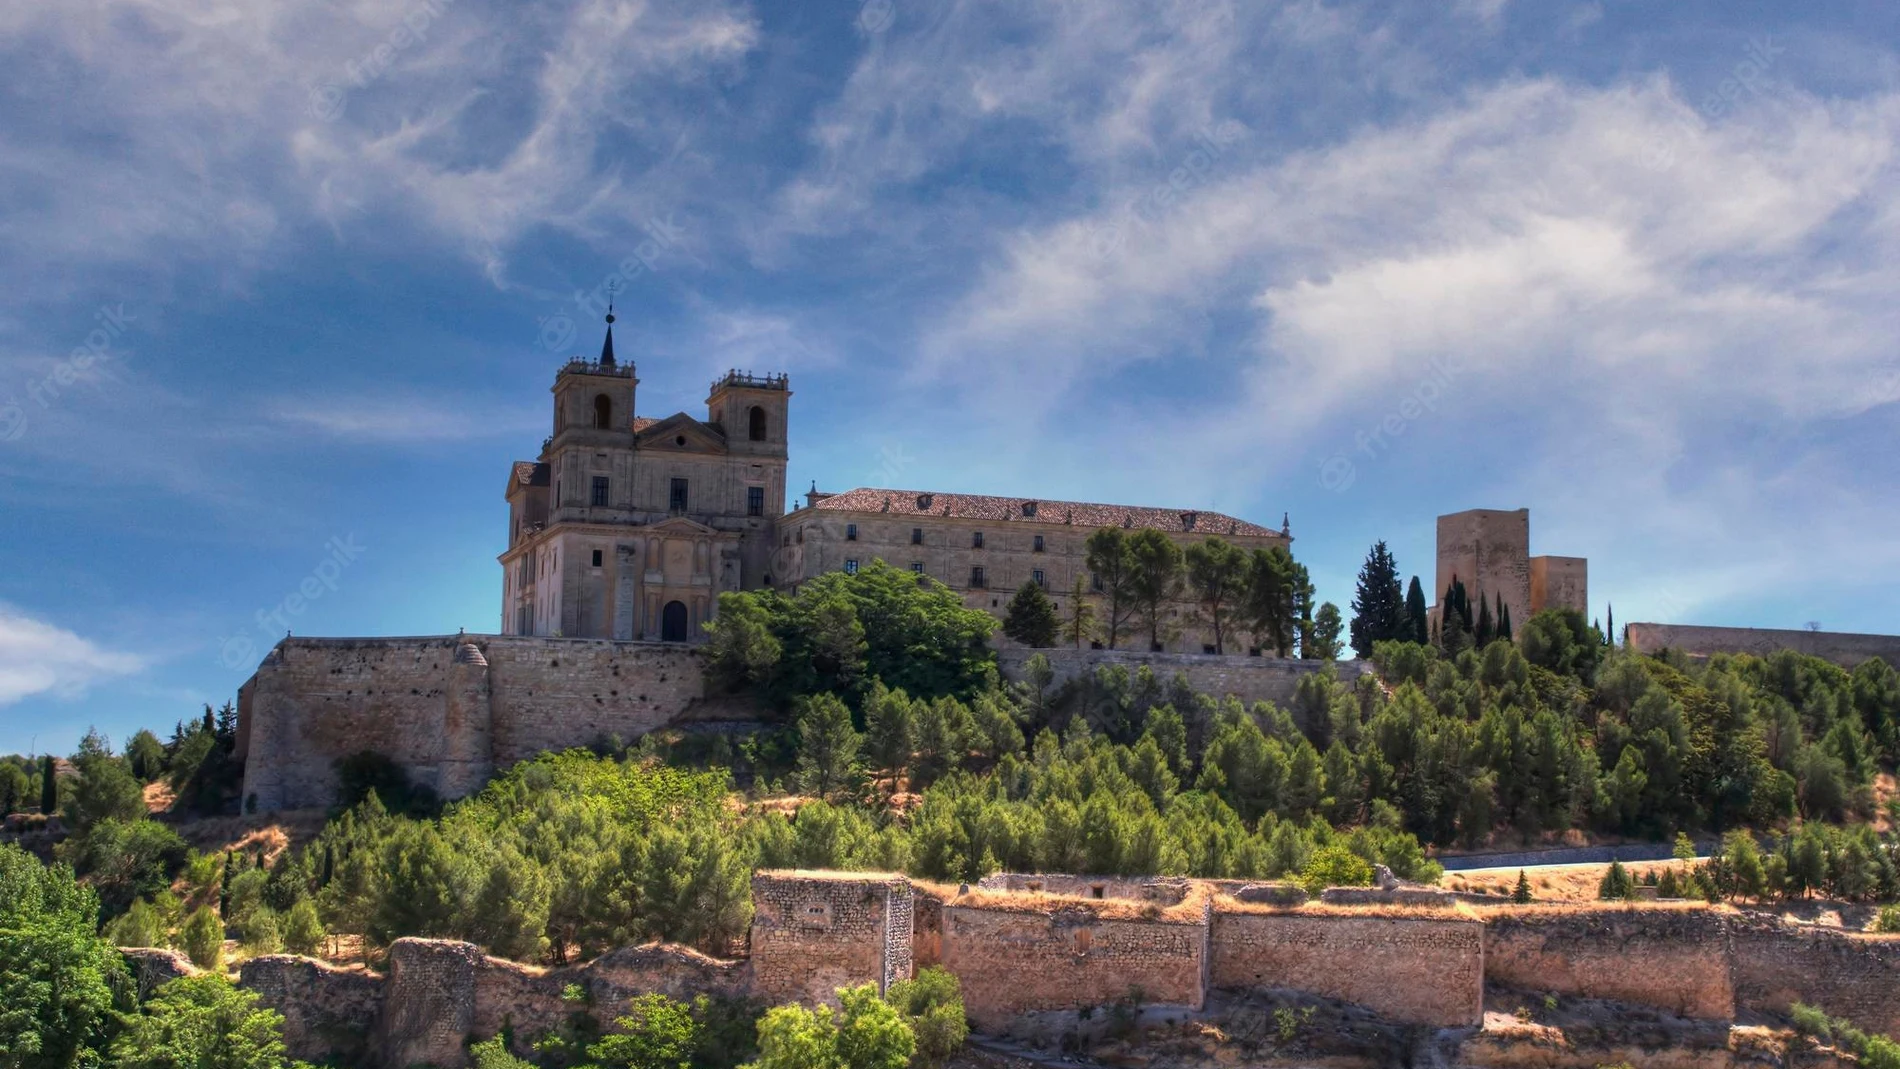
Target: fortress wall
<point>447,717</point>
<point>1842,648</point>
<point>1488,550</point>
<point>1251,679</point>
<point>1419,970</point>
<point>1559,583</point>
<point>551,694</point>
<point>1071,956</point>
<point>1672,959</point>
<point>1849,975</point>
<point>813,933</point>
<point>328,1011</point>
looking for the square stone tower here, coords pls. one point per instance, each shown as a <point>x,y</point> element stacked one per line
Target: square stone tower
<point>1489,550</point>
<point>815,932</point>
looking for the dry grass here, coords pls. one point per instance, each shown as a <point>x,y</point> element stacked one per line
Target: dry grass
<point>275,833</point>
<point>1190,910</point>
<point>1555,883</point>
<point>1451,911</point>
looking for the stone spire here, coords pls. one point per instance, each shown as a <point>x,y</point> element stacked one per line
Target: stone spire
<point>607,346</point>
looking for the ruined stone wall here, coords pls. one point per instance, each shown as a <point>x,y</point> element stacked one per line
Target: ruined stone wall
<point>1163,890</point>
<point>1420,970</point>
<point>449,710</point>
<point>1673,959</point>
<point>1848,974</point>
<point>1251,679</point>
<point>1841,647</point>
<point>1069,956</point>
<point>329,1013</point>
<point>813,933</point>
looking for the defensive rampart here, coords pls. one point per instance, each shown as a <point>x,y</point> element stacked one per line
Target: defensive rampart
<point>449,710</point>
<point>1843,648</point>
<point>1251,679</point>
<point>1417,969</point>
<point>1020,953</point>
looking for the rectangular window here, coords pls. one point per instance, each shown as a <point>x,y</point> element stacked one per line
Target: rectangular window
<point>917,566</point>
<point>1038,546</point>
<point>850,567</point>
<point>976,540</point>
<point>1095,582</point>
<point>976,578</point>
<point>600,490</point>
<point>1037,577</point>
<point>851,532</point>
<point>755,500</point>
<point>916,536</point>
<point>597,558</point>
<point>676,496</point>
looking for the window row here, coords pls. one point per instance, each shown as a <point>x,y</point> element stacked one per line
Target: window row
<point>677,496</point>
<point>1036,544</point>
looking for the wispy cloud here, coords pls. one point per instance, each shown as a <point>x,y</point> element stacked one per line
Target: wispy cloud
<point>38,658</point>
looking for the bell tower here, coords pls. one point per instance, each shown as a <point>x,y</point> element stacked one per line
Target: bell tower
<point>752,410</point>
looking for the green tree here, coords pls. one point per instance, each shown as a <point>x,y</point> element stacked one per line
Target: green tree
<point>61,988</point>
<point>1416,615</point>
<point>15,789</point>
<point>1741,860</point>
<point>1276,587</point>
<point>1455,624</point>
<point>1616,883</point>
<point>742,651</point>
<point>202,1022</point>
<point>303,928</point>
<point>1031,619</point>
<point>655,1033</point>
<point>146,756</point>
<point>1109,559</point>
<point>1326,626</point>
<point>105,790</point>
<point>1217,573</point>
<point>828,745</point>
<point>793,1037</point>
<point>932,1004</point>
<point>49,786</point>
<point>1522,894</point>
<point>889,725</point>
<point>1378,602</point>
<point>1155,580</point>
<point>140,926</point>
<point>871,1033</point>
<point>1335,866</point>
<point>1079,624</point>
<point>126,860</point>
<point>203,939</point>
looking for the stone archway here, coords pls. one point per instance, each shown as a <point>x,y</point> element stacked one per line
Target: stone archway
<point>673,622</point>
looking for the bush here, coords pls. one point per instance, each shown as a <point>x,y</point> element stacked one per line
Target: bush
<point>1812,1021</point>
<point>932,1004</point>
<point>1335,866</point>
<point>303,928</point>
<point>204,1022</point>
<point>1616,883</point>
<point>203,939</point>
<point>140,926</point>
<point>262,933</point>
<point>1889,920</point>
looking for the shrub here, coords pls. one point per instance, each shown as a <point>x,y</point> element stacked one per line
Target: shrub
<point>932,1004</point>
<point>1616,883</point>
<point>203,939</point>
<point>303,928</point>
<point>1889,920</point>
<point>202,1021</point>
<point>140,926</point>
<point>262,933</point>
<point>1335,866</point>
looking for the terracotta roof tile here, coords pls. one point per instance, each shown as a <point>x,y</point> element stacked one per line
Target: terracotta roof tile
<point>1038,510</point>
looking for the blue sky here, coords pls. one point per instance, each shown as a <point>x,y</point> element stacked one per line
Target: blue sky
<point>291,276</point>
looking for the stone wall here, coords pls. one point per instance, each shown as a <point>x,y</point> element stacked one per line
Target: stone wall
<point>1842,648</point>
<point>449,710</point>
<point>329,1013</point>
<point>1420,970</point>
<point>1559,583</point>
<point>1855,976</point>
<point>1069,954</point>
<point>1488,550</point>
<point>1251,679</point>
<point>1675,959</point>
<point>815,932</point>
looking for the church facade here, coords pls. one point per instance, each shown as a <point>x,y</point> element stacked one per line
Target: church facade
<point>629,527</point>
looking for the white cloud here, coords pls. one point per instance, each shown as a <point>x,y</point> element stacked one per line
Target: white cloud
<point>39,658</point>
<point>384,420</point>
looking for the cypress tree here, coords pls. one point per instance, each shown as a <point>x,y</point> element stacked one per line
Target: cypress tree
<point>1487,628</point>
<point>1378,604</point>
<point>1522,894</point>
<point>1609,626</point>
<point>49,787</point>
<point>1455,625</point>
<point>1415,613</point>
<point>1504,620</point>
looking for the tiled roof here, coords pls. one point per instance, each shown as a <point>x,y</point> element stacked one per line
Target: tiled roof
<point>1037,510</point>
<point>641,423</point>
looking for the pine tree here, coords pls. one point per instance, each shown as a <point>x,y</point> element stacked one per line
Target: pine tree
<point>1522,895</point>
<point>1081,620</point>
<point>1616,883</point>
<point>1378,602</point>
<point>1032,618</point>
<point>1415,614</point>
<point>49,787</point>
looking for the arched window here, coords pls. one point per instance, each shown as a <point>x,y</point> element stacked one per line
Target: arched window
<point>603,412</point>
<point>755,420</point>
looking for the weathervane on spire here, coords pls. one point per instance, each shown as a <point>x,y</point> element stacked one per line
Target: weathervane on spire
<point>607,346</point>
